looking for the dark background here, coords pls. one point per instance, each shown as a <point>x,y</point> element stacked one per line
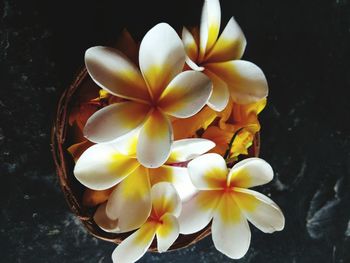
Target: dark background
<point>303,48</point>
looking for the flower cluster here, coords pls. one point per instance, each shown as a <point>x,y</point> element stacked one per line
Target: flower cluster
<point>156,162</point>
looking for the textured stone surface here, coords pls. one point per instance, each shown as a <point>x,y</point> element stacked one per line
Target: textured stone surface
<point>303,47</point>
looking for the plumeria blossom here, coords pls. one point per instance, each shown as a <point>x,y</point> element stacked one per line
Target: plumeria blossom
<point>160,90</point>
<point>162,222</point>
<point>219,58</point>
<point>105,165</point>
<point>223,197</point>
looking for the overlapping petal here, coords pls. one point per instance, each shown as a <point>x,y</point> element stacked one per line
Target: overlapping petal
<point>186,94</point>
<point>165,200</point>
<point>128,46</point>
<point>197,212</point>
<point>114,72</point>
<point>177,176</point>
<point>115,120</point>
<point>103,221</point>
<point>188,149</point>
<point>208,171</point>
<point>167,232</point>
<point>153,147</point>
<point>190,44</point>
<point>260,210</point>
<point>199,121</point>
<point>210,25</point>
<point>230,230</point>
<point>102,166</point>
<point>136,245</point>
<point>249,173</point>
<point>230,45</point>
<point>246,81</point>
<point>161,57</point>
<point>220,95</point>
<point>130,203</point>
<point>127,144</point>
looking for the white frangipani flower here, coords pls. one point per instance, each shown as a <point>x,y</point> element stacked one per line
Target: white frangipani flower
<point>219,58</point>
<point>152,95</point>
<point>162,223</point>
<point>223,197</point>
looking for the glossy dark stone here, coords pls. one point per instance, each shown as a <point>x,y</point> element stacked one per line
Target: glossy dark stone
<point>303,48</point>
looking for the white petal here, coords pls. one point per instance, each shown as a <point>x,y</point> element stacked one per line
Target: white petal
<point>220,95</point>
<point>186,94</point>
<point>114,72</point>
<point>130,203</point>
<point>210,25</point>
<point>250,172</point>
<point>193,65</point>
<point>190,44</point>
<point>102,166</point>
<point>165,199</point>
<point>246,81</point>
<point>127,143</point>
<point>161,57</point>
<point>136,245</point>
<point>188,149</point>
<point>167,232</point>
<point>260,210</point>
<point>103,221</point>
<point>115,120</point>
<point>230,230</point>
<point>230,45</point>
<point>208,171</point>
<point>153,147</point>
<point>178,176</point>
<point>197,212</point>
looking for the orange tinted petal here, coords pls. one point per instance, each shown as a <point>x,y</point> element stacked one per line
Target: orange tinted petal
<point>76,150</point>
<point>92,198</point>
<point>187,128</point>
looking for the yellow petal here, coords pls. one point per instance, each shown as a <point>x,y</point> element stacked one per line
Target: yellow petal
<point>210,25</point>
<point>167,232</point>
<point>161,57</point>
<point>115,120</point>
<point>249,173</point>
<point>165,199</point>
<point>230,230</point>
<point>127,143</point>
<point>136,245</point>
<point>198,211</point>
<point>76,150</point>
<point>208,171</point>
<point>188,149</point>
<point>114,72</point>
<point>155,140</point>
<point>92,198</point>
<point>220,95</point>
<point>103,221</point>
<point>130,202</point>
<point>186,128</point>
<point>246,81</point>
<point>190,44</point>
<point>178,176</point>
<point>220,137</point>
<point>186,94</point>
<point>260,210</point>
<point>230,45</point>
<point>102,166</point>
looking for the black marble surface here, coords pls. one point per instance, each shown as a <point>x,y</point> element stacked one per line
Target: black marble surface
<point>304,49</point>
